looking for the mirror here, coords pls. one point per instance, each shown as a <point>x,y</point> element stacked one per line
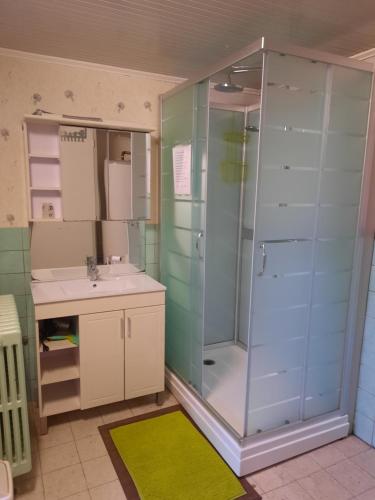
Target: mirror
<point>105,174</point>
<point>90,193</point>
<point>67,244</point>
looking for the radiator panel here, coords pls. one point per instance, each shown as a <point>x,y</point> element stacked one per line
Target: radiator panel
<point>14,425</point>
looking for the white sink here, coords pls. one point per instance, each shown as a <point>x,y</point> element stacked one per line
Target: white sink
<point>74,289</point>
<point>86,287</point>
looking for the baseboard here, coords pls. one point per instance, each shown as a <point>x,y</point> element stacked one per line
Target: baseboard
<point>255,453</point>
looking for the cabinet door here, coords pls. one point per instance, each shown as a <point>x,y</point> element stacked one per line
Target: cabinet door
<point>144,351</point>
<point>78,173</point>
<point>101,358</point>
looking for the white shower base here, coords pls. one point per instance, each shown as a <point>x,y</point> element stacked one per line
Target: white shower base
<point>256,452</point>
<point>224,384</point>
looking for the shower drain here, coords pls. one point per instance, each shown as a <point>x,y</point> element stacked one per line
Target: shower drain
<point>208,362</point>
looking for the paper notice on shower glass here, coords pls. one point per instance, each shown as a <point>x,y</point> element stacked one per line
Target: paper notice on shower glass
<point>182,169</point>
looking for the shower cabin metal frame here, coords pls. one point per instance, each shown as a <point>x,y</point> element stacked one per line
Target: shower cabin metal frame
<point>254,452</point>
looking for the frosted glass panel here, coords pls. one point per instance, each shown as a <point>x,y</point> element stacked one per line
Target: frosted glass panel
<point>288,186</point>
<point>296,72</point>
<point>279,324</point>
<point>344,152</point>
<point>182,219</point>
<point>276,387</point>
<point>287,258</point>
<point>352,82</point>
<point>337,222</point>
<point>285,222</point>
<point>331,287</point>
<point>334,255</point>
<point>328,318</point>
<point>347,115</point>
<point>293,148</point>
<point>222,223</point>
<point>341,187</point>
<point>294,108</point>
<point>273,416</point>
<point>305,230</point>
<point>277,357</point>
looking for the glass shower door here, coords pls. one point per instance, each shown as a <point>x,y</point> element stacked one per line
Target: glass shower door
<point>184,122</point>
<point>308,193</point>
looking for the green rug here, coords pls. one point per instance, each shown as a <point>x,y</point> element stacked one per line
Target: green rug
<point>167,458</point>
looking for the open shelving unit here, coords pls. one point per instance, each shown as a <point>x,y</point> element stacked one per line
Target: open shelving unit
<point>59,372</point>
<point>44,171</point>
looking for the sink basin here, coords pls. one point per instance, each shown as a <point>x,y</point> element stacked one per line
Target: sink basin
<point>76,289</point>
<point>86,287</point>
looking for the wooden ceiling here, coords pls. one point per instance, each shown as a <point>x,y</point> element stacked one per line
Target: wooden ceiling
<point>180,37</point>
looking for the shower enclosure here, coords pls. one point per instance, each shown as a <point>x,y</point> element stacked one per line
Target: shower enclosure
<point>264,254</point>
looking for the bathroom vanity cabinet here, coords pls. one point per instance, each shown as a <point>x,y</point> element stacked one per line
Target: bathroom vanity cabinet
<point>120,351</point>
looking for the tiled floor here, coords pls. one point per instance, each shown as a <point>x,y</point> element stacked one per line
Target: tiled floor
<point>71,462</point>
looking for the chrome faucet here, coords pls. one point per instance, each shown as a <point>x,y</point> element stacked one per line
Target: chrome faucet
<point>92,270</point>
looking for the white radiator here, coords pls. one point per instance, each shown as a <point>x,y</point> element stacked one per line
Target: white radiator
<point>14,424</point>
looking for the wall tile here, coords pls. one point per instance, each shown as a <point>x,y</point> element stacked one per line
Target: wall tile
<point>14,257</point>
<point>363,427</point>
<point>25,238</point>
<point>366,403</point>
<point>11,239</point>
<point>371,304</point>
<point>11,262</point>
<point>12,284</point>
<point>21,305</point>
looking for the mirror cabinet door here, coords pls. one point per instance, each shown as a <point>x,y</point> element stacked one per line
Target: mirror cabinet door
<point>78,172</point>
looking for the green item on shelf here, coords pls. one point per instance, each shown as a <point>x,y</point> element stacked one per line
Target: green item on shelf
<point>72,338</point>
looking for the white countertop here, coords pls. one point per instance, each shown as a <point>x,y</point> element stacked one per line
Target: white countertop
<point>78,289</point>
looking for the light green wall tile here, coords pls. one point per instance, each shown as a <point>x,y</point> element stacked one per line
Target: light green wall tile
<point>31,326</point>
<point>29,305</point>
<point>11,262</point>
<point>25,238</point>
<point>14,284</point>
<point>27,261</point>
<point>150,254</point>
<point>21,305</point>
<point>153,270</point>
<point>152,233</point>
<point>10,238</point>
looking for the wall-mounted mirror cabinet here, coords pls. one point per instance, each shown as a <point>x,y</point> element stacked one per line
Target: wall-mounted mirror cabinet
<point>87,173</point>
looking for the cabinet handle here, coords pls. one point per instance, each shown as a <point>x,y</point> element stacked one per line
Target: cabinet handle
<point>122,328</point>
<point>129,328</point>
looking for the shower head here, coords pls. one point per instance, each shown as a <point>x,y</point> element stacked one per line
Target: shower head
<point>229,86</point>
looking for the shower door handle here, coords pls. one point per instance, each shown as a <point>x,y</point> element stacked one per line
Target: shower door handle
<point>197,243</point>
<point>264,258</point>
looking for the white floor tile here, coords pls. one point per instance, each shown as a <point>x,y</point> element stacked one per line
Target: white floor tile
<point>292,491</point>
<point>327,455</point>
<point>351,446</point>
<point>57,457</point>
<point>86,423</point>
<point>352,477</point>
<point>322,486</point>
<point>60,433</point>
<point>272,478</point>
<point>64,482</point>
<point>91,447</point>
<point>99,471</point>
<point>108,491</point>
<point>366,460</point>
<point>302,466</point>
